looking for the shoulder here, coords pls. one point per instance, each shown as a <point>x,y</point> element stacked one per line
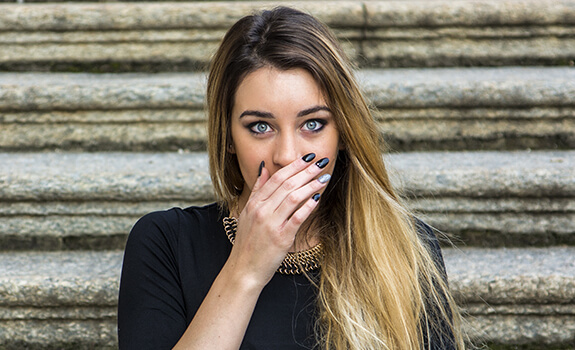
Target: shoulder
<point>168,226</point>
<point>207,214</point>
<point>176,216</point>
<point>427,234</point>
<point>429,239</point>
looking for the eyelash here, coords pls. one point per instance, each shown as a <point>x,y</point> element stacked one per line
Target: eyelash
<point>321,123</point>
<point>251,127</point>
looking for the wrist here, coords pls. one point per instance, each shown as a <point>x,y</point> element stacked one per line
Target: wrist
<point>242,279</point>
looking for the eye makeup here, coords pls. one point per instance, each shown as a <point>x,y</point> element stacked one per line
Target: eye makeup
<point>258,127</point>
<point>314,125</point>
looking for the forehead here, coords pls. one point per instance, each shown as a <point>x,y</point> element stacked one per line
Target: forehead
<point>270,88</point>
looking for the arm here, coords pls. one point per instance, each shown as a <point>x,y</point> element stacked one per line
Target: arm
<point>223,317</point>
<point>267,227</point>
<point>152,310</point>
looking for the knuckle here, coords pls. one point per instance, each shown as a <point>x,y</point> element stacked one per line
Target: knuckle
<point>298,218</point>
<point>289,185</point>
<point>293,198</point>
<point>259,214</point>
<point>276,180</point>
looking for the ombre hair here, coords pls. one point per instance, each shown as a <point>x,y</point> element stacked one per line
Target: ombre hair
<point>379,286</point>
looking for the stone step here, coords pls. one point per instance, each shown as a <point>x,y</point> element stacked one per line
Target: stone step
<point>158,36</point>
<point>417,109</point>
<point>126,1</point>
<point>59,300</point>
<point>509,296</point>
<point>69,201</point>
<point>520,296</point>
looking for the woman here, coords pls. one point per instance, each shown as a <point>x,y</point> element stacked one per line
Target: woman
<point>322,253</point>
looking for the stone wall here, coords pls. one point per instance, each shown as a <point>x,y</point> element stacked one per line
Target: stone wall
<point>101,121</point>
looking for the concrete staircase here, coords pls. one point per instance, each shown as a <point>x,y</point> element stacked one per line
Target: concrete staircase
<point>101,121</point>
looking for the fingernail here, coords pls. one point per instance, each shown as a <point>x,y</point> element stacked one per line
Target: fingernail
<point>308,157</point>
<point>316,196</point>
<point>262,164</point>
<point>322,163</point>
<point>324,178</point>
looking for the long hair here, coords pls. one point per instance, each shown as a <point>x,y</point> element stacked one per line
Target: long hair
<point>379,287</point>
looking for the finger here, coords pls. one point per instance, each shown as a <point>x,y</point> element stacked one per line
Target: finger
<point>297,198</point>
<point>301,214</point>
<point>263,177</point>
<point>287,190</point>
<point>275,181</point>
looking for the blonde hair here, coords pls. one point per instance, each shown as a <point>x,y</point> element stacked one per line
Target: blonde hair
<point>379,287</point>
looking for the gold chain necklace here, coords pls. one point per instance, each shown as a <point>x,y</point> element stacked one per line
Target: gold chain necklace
<point>294,263</point>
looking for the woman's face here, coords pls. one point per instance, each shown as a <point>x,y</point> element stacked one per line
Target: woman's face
<point>279,116</point>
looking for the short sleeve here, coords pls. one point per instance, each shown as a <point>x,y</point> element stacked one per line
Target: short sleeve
<point>151,307</point>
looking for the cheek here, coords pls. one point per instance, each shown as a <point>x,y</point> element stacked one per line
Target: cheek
<point>247,164</point>
<point>249,159</point>
<point>246,155</point>
<point>331,146</point>
<point>329,149</point>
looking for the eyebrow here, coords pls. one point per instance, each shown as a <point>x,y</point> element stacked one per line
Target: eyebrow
<point>258,114</point>
<point>268,115</point>
<point>313,110</point>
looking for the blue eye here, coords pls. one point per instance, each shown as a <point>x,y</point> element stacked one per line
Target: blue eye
<point>313,125</point>
<point>259,127</point>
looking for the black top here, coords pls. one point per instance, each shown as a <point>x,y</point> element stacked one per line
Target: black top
<point>171,260</point>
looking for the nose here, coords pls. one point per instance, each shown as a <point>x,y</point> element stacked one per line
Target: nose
<point>285,150</point>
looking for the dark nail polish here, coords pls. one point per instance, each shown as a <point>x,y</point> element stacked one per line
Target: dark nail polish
<point>322,163</point>
<point>316,196</point>
<point>308,157</point>
<point>262,164</point>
